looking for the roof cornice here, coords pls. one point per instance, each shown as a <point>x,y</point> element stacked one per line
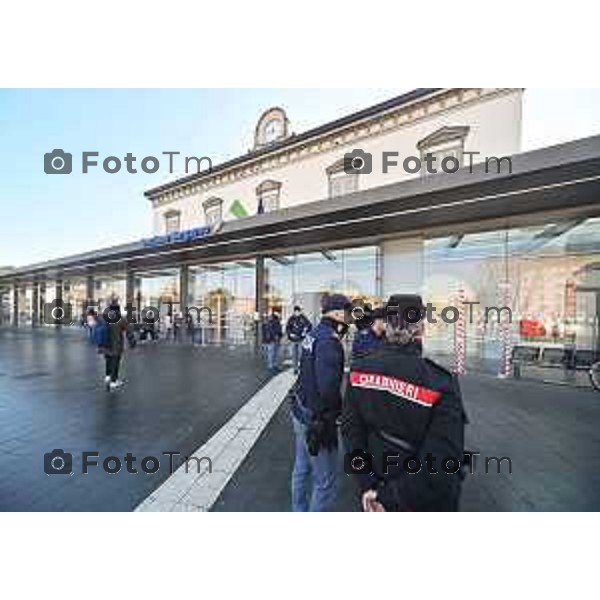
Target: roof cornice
<point>403,100</point>
<point>383,117</point>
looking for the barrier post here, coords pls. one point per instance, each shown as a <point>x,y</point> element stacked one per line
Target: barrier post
<point>505,331</point>
<point>460,333</point>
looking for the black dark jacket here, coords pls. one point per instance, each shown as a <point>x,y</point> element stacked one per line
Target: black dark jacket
<point>365,341</point>
<point>297,327</point>
<point>398,403</point>
<point>318,388</point>
<point>271,330</point>
<point>116,338</point>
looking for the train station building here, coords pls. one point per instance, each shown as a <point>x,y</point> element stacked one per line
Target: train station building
<point>289,220</point>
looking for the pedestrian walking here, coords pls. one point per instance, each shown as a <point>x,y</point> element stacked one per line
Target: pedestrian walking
<point>90,322</point>
<point>190,328</point>
<point>110,331</point>
<point>272,334</point>
<point>297,327</point>
<point>316,405</point>
<point>178,325</point>
<point>168,325</point>
<point>402,411</point>
<point>147,330</point>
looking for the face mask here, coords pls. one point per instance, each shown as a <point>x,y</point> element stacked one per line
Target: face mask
<point>341,329</point>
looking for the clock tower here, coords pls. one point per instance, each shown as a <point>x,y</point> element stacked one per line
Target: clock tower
<point>272,127</point>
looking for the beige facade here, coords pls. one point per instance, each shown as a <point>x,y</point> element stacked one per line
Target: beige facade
<point>490,120</point>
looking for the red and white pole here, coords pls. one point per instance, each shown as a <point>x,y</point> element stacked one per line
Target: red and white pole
<point>460,333</point>
<point>505,331</point>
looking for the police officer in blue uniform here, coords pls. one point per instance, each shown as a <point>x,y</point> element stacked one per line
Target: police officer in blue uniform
<point>316,406</point>
<point>370,334</point>
<point>403,421</point>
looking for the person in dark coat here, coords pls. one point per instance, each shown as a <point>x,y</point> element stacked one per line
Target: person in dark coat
<point>113,351</point>
<point>402,411</point>
<point>370,334</point>
<point>297,327</point>
<point>316,405</point>
<point>272,333</point>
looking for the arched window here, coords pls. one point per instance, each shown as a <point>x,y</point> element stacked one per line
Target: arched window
<point>268,195</point>
<point>446,142</point>
<point>213,212</point>
<point>172,221</point>
<point>340,182</point>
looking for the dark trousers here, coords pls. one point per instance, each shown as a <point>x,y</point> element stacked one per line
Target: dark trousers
<point>112,366</point>
<point>144,333</point>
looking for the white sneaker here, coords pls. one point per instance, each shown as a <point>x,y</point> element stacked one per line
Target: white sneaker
<point>115,385</point>
<point>107,381</point>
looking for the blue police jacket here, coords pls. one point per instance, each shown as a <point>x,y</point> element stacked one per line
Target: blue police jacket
<point>365,341</point>
<point>318,388</point>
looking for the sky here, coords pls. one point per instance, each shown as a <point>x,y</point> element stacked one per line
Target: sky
<point>48,216</point>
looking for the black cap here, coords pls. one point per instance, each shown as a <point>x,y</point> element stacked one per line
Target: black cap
<point>334,302</point>
<point>378,313</point>
<point>369,316</point>
<point>407,308</point>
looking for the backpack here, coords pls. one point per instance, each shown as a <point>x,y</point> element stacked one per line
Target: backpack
<point>101,334</point>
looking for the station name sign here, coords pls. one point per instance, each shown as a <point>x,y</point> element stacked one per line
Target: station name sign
<point>178,237</point>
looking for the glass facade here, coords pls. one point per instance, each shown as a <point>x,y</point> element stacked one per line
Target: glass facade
<point>6,304</point>
<point>303,279</point>
<point>25,306</point>
<point>525,289</point>
<point>556,274</point>
<point>547,275</point>
<point>109,288</point>
<point>74,292</point>
<point>158,289</point>
<point>473,265</point>
<point>47,295</point>
<point>224,295</point>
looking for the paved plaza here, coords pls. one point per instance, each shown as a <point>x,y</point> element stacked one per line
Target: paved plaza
<point>221,401</point>
<point>52,396</point>
<point>549,432</point>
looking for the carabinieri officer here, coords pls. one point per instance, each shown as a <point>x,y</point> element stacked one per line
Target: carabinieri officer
<point>402,411</point>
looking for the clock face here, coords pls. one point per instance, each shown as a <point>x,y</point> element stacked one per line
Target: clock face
<point>273,130</point>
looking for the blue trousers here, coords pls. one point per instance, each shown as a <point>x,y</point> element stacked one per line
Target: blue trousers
<point>313,477</point>
<point>273,356</point>
<point>296,352</point>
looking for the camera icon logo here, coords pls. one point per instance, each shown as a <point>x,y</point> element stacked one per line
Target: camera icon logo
<point>58,312</point>
<point>359,313</point>
<point>358,162</point>
<point>58,462</point>
<point>408,314</point>
<point>358,463</point>
<point>111,314</point>
<point>58,162</point>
